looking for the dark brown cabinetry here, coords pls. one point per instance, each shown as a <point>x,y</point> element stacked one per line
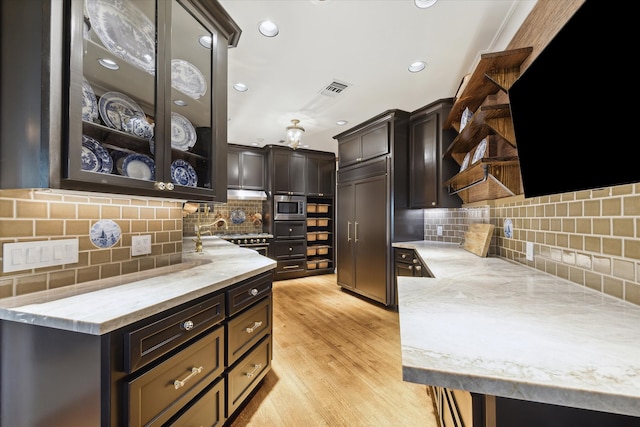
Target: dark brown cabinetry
<point>289,248</point>
<point>245,168</point>
<point>428,168</point>
<point>372,206</point>
<point>286,171</point>
<point>460,408</point>
<point>321,172</point>
<point>407,263</point>
<point>198,361</point>
<point>73,128</point>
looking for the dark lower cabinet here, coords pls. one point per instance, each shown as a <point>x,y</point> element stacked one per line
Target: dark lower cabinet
<point>194,364</point>
<point>459,408</point>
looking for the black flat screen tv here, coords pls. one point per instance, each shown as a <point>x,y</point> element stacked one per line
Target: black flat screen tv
<point>572,112</point>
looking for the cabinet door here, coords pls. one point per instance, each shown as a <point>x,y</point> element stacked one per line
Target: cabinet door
<point>424,162</point>
<point>288,173</point>
<point>375,142</point>
<point>151,132</point>
<point>320,172</point>
<point>349,150</point>
<point>233,169</point>
<point>345,218</point>
<point>370,237</point>
<point>253,171</point>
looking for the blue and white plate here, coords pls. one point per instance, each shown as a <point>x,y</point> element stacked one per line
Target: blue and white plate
<point>139,166</point>
<point>508,228</point>
<point>89,103</point>
<point>465,161</point>
<point>118,159</point>
<point>187,78</point>
<point>183,134</point>
<point>125,31</point>
<point>95,158</point>
<point>183,173</point>
<point>480,150</point>
<point>105,233</point>
<point>115,107</point>
<point>238,216</point>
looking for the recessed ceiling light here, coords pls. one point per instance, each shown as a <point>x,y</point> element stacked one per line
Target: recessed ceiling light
<point>268,29</point>
<point>241,87</point>
<point>341,122</point>
<point>417,66</point>
<point>423,4</point>
<point>205,41</point>
<point>180,102</point>
<point>108,63</point>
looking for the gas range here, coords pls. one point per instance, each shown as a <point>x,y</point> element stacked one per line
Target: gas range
<point>248,239</point>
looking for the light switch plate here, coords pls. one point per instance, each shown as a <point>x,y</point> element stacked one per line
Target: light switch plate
<point>140,245</point>
<point>529,251</point>
<point>44,253</point>
<point>439,230</point>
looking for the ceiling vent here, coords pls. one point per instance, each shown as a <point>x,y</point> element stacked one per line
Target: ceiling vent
<point>334,89</point>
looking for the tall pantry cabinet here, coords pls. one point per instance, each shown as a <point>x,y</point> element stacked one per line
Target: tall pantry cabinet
<point>372,207</point>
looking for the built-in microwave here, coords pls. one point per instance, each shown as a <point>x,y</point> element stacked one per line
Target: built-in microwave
<point>289,207</point>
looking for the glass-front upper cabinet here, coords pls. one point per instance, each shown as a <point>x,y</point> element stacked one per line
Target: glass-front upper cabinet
<point>147,98</point>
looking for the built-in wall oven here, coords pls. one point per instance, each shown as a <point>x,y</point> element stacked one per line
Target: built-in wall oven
<point>289,208</point>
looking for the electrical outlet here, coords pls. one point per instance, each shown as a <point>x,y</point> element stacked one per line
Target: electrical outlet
<point>140,245</point>
<point>529,251</point>
<point>439,230</point>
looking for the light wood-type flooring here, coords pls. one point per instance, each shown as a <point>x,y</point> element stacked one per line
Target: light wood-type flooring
<point>336,362</point>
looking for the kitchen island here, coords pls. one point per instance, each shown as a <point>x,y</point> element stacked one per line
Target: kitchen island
<point>503,330</point>
<point>163,345</point>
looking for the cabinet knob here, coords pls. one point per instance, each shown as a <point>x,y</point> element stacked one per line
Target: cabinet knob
<point>253,292</point>
<point>188,325</point>
<point>159,185</point>
<point>169,186</point>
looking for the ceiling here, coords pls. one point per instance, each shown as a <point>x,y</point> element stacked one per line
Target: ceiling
<point>367,44</point>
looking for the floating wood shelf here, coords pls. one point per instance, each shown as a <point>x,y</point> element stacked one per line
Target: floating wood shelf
<point>497,174</point>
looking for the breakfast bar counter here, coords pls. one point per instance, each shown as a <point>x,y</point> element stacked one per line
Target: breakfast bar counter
<point>494,327</point>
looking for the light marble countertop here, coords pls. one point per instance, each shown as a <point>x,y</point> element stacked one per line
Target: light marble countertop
<point>491,326</point>
<point>101,306</point>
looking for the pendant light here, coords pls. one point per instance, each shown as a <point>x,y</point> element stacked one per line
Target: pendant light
<point>294,134</point>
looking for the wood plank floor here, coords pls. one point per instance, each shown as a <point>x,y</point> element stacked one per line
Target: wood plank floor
<point>336,362</point>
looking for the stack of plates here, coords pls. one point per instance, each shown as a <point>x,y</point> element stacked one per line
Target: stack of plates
<point>183,134</point>
<point>95,158</point>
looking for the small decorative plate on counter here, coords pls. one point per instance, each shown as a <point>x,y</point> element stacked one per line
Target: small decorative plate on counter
<point>508,228</point>
<point>105,233</point>
<point>183,173</point>
<point>238,216</point>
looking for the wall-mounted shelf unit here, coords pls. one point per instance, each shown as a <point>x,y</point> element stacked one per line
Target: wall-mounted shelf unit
<point>495,173</point>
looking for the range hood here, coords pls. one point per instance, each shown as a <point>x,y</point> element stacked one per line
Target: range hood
<point>246,195</point>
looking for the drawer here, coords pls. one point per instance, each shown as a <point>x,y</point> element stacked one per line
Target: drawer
<point>245,376</point>
<point>404,255</point>
<point>246,293</point>
<point>289,229</point>
<point>288,249</point>
<point>285,267</point>
<point>157,395</point>
<point>151,341</point>
<point>207,410</point>
<point>248,328</point>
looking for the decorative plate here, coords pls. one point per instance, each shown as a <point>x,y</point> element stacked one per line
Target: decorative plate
<point>465,162</point>
<point>187,78</point>
<point>125,31</point>
<point>238,216</point>
<point>105,233</point>
<point>183,173</point>
<point>95,158</point>
<point>114,107</point>
<point>480,149</point>
<point>466,117</point>
<point>89,103</point>
<point>139,166</point>
<point>183,134</point>
<point>508,228</point>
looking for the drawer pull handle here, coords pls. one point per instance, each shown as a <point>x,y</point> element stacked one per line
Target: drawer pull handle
<point>188,325</point>
<point>256,368</point>
<point>253,292</point>
<point>194,371</point>
<point>255,326</point>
